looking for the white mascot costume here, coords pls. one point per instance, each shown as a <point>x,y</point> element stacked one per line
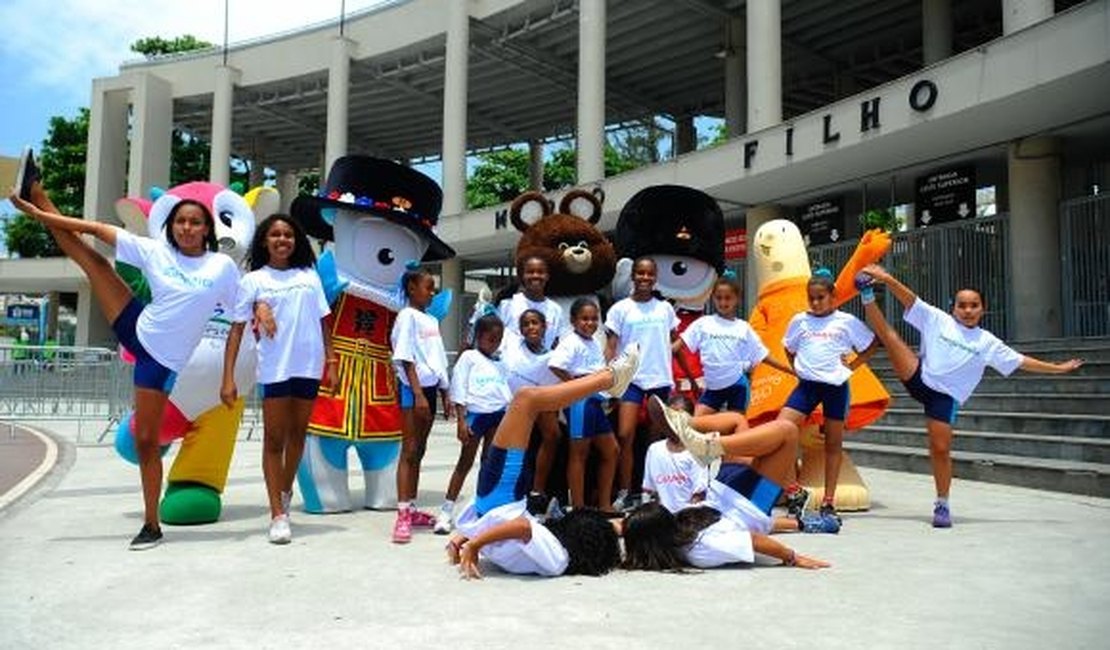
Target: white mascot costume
<point>381,217</point>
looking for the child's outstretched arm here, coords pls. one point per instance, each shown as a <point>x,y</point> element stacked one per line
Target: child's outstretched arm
<point>765,545</point>
<point>519,528</point>
<point>904,294</point>
<point>1032,364</point>
<point>102,231</point>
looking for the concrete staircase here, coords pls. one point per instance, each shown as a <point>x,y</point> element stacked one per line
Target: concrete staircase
<point>1050,432</point>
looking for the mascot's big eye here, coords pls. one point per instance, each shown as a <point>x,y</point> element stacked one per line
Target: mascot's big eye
<point>385,256</point>
<point>681,277</point>
<point>563,246</point>
<point>679,268</point>
<point>583,244</point>
<point>373,250</point>
<point>226,217</point>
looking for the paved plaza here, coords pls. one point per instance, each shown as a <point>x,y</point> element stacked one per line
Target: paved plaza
<point>1021,569</point>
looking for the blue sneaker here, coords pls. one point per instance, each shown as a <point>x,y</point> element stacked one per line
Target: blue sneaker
<point>818,523</point>
<point>942,518</point>
<point>829,510</point>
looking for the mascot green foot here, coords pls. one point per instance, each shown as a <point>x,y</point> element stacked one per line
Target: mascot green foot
<point>187,504</point>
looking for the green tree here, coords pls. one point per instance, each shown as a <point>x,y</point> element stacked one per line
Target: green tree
<point>63,161</point>
<point>499,177</point>
<point>28,238</point>
<point>157,46</point>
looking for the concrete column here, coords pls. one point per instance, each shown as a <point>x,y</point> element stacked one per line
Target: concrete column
<point>223,97</point>
<point>451,277</point>
<point>106,158</point>
<point>287,187</point>
<point>754,218</point>
<point>92,328</point>
<point>339,83</point>
<point>736,80</point>
<point>1019,14</point>
<point>685,135</point>
<point>591,91</point>
<point>456,70</point>
<point>764,57</point>
<point>1034,182</point>
<point>936,30</point>
<point>151,135</point>
<point>535,165</point>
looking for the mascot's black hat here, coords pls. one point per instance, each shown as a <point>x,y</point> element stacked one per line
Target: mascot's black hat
<point>379,187</point>
<point>672,220</point>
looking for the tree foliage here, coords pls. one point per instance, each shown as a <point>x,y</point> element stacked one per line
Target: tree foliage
<point>26,237</point>
<point>155,46</point>
<point>62,160</point>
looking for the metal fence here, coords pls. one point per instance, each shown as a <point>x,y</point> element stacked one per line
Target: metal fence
<point>1085,265</point>
<point>937,261</point>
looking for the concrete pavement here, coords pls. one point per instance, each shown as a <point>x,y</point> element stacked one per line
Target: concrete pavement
<point>1021,569</point>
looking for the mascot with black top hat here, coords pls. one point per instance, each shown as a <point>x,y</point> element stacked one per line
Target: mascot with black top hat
<point>381,217</point>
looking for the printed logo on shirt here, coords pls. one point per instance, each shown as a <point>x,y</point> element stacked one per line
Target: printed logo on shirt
<point>647,321</point>
<point>486,380</point>
<point>189,280</point>
<point>676,478</point>
<point>959,344</point>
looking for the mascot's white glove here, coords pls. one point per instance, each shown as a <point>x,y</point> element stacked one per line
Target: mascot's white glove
<point>622,279</point>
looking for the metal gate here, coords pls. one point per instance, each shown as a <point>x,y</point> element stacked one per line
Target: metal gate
<point>1085,265</point>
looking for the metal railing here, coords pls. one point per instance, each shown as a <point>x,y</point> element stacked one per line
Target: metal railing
<point>937,261</point>
<point>1085,265</point>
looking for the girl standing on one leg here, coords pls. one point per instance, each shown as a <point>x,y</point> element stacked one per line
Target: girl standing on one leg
<point>644,319</point>
<point>480,394</point>
<point>498,528</point>
<point>817,343</point>
<point>421,363</point>
<point>188,280</point>
<point>294,353</point>
<point>577,355</point>
<point>729,348</point>
<point>954,353</point>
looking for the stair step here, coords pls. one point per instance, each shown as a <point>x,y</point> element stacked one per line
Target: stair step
<point>1020,383</point>
<point>1081,404</point>
<point>1091,368</point>
<point>1045,474</point>
<point>1089,426</point>
<point>1086,450</point>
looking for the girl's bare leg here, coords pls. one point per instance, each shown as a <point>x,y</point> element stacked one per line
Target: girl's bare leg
<point>606,447</point>
<point>275,434</point>
<point>301,411</point>
<point>576,472</point>
<point>834,445</point>
<point>467,453</point>
<point>902,358</point>
<point>940,454</point>
<point>627,414</point>
<point>515,428</point>
<point>150,404</point>
<point>545,456</point>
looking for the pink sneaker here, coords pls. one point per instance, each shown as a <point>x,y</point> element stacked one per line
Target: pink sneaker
<point>421,519</point>
<point>402,527</point>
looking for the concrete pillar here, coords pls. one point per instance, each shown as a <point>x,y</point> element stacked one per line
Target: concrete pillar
<point>456,70</point>
<point>936,30</point>
<point>223,96</point>
<point>151,135</point>
<point>591,91</point>
<point>1019,14</point>
<point>287,187</point>
<point>451,277</point>
<point>755,217</point>
<point>685,135</point>
<point>535,165</point>
<point>1034,182</point>
<point>764,57</point>
<point>339,82</point>
<point>92,328</point>
<point>106,158</point>
<point>736,80</point>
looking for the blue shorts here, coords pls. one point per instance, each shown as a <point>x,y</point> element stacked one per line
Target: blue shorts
<point>760,490</point>
<point>148,372</point>
<point>637,395</point>
<point>736,396</point>
<point>482,423</point>
<point>586,419</point>
<point>408,400</point>
<point>501,479</point>
<point>296,387</point>
<point>938,405</point>
<point>834,400</point>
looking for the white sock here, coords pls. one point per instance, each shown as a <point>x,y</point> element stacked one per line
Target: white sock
<point>403,505</point>
<point>448,505</point>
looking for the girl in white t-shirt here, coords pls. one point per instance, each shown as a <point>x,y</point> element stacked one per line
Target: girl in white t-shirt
<point>497,527</point>
<point>533,274</point>
<point>729,350</point>
<point>294,353</point>
<point>480,393</point>
<point>818,344</point>
<point>189,280</point>
<point>644,319</point>
<point>954,353</point>
<point>577,355</point>
<point>421,364</point>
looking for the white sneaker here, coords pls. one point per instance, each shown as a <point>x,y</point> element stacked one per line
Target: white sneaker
<point>443,525</point>
<point>624,368</point>
<point>280,531</point>
<point>704,447</point>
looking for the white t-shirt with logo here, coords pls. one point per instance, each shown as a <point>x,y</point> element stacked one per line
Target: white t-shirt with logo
<point>185,293</point>
<point>511,308</point>
<point>650,324</point>
<point>675,477</point>
<point>298,303</point>
<point>728,348</point>
<point>542,555</point>
<point>953,357</point>
<point>820,342</point>
<point>415,338</point>
<point>524,367</point>
<point>479,383</point>
<point>577,355</point>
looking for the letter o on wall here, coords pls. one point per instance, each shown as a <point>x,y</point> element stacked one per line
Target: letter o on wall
<point>923,95</point>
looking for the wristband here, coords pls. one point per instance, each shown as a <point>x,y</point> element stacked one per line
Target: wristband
<point>791,560</point>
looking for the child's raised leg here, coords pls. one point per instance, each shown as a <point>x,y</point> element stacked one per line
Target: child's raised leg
<point>902,358</point>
